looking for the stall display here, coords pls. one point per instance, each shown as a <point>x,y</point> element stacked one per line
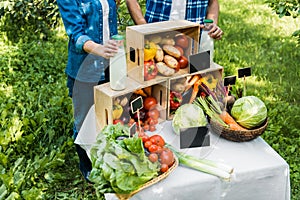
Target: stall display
<point>161,90</point>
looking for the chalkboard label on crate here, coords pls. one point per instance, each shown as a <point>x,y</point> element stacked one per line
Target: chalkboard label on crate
<point>199,61</point>
<point>136,104</point>
<point>194,137</point>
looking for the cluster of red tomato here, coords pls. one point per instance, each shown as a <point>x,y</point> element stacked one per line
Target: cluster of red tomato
<point>157,151</point>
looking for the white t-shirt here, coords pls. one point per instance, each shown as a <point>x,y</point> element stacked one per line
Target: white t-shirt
<point>105,9</point>
<point>177,9</point>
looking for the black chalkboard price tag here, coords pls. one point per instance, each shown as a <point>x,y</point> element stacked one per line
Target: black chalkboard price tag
<point>136,104</point>
<point>244,72</point>
<point>199,61</point>
<point>194,137</point>
<point>229,80</point>
<point>132,130</point>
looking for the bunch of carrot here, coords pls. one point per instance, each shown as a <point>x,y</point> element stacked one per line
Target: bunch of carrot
<point>213,110</point>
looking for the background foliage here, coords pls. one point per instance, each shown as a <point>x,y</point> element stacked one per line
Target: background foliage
<point>37,156</point>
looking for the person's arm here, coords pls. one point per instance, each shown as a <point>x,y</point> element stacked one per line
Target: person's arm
<point>135,11</point>
<point>213,13</point>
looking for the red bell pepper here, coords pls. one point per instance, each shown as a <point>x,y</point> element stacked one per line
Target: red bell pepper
<point>150,70</point>
<point>175,100</point>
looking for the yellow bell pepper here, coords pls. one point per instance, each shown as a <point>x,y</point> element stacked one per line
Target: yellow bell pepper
<point>149,50</point>
<point>210,81</point>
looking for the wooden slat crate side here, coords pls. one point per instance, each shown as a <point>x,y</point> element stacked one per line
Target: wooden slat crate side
<point>136,36</point>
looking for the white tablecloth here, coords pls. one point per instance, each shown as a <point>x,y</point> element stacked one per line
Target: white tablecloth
<point>259,172</point>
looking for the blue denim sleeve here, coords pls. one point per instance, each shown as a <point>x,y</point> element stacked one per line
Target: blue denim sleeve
<point>73,22</point>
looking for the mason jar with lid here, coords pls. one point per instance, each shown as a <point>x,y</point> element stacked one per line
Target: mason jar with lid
<point>206,42</point>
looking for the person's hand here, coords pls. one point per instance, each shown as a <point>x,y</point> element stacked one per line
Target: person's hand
<point>109,49</point>
<point>215,32</point>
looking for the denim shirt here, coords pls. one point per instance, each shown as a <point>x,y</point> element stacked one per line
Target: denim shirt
<point>83,21</point>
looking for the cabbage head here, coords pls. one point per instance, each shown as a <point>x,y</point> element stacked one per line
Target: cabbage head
<point>187,116</point>
<point>249,111</point>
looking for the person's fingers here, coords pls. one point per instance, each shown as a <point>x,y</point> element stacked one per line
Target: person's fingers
<point>216,32</point>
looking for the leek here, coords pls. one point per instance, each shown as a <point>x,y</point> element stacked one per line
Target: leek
<point>208,166</point>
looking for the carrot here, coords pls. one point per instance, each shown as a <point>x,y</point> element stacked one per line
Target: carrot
<point>226,117</point>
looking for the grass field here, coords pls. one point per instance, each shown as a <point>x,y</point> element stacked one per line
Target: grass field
<point>37,156</point>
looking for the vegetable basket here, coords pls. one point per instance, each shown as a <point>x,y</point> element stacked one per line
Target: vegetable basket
<point>151,182</point>
<point>238,136</point>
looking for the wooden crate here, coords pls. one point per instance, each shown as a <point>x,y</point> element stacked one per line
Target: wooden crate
<point>137,35</point>
<point>216,71</point>
<point>105,98</point>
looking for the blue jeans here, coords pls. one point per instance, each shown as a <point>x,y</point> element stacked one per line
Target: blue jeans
<point>82,95</point>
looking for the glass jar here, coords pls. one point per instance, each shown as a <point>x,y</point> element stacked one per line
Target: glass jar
<point>118,66</point>
<point>206,42</point>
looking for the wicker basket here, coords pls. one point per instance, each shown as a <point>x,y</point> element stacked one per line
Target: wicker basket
<point>238,136</point>
<point>149,183</point>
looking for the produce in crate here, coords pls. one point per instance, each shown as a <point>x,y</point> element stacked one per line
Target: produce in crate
<point>164,55</point>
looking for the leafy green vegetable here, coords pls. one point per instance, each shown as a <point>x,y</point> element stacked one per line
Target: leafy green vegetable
<point>249,111</point>
<point>188,115</point>
<point>120,166</point>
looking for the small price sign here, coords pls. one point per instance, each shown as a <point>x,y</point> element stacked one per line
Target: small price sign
<point>194,137</point>
<point>136,105</point>
<point>199,61</point>
<point>229,80</point>
<point>243,73</point>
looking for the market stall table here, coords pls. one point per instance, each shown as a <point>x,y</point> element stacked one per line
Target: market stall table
<point>259,172</point>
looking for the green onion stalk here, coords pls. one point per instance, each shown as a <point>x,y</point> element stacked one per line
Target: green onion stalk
<point>208,166</point>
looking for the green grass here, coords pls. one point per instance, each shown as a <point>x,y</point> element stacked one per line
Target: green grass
<point>256,37</point>
<point>37,157</point>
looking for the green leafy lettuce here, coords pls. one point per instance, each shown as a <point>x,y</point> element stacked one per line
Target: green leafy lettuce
<point>120,166</point>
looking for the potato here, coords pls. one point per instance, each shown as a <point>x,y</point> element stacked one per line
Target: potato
<point>169,41</point>
<point>171,61</point>
<point>164,69</point>
<point>155,38</point>
<point>159,56</point>
<point>172,51</point>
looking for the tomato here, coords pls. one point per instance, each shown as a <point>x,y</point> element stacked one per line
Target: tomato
<point>115,121</point>
<point>145,138</point>
<point>149,102</point>
<point>147,144</point>
<point>153,113</point>
<point>151,121</point>
<point>164,168</point>
<point>180,49</point>
<point>153,157</point>
<point>159,149</point>
<point>153,148</point>
<point>157,140</point>
<point>167,157</point>
<point>152,128</point>
<point>146,127</point>
<point>182,41</point>
<point>183,62</point>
